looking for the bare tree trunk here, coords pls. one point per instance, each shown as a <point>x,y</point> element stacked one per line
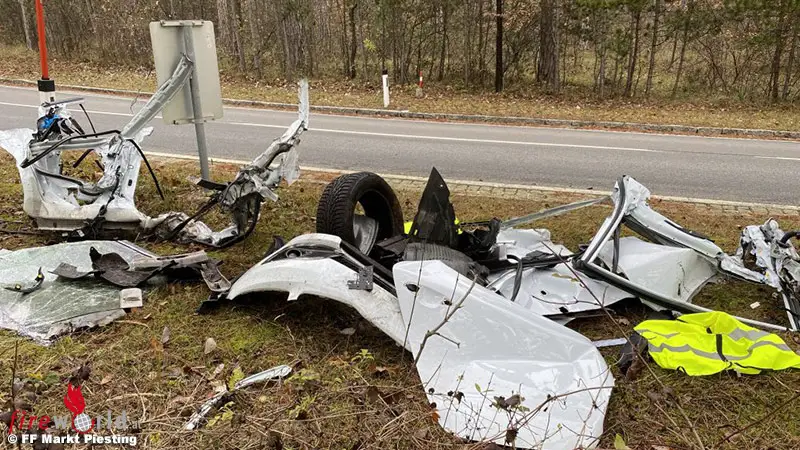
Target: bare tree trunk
<point>26,25</point>
<point>252,21</point>
<point>443,47</point>
<point>775,69</point>
<point>674,50</point>
<point>237,39</point>
<point>547,70</point>
<point>481,43</point>
<point>686,24</point>
<point>351,57</point>
<point>222,22</point>
<point>468,45</point>
<point>790,63</point>
<point>653,46</point>
<point>498,48</point>
<point>636,25</point>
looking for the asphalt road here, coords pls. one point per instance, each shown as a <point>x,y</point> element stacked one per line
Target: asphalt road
<point>713,168</point>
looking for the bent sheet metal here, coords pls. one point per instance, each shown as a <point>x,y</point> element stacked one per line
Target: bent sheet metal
<point>475,350</point>
<point>490,347</point>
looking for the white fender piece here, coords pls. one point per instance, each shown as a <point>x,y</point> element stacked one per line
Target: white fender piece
<point>322,277</point>
<point>479,351</point>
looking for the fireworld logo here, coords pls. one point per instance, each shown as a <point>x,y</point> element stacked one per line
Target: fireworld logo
<point>80,422</point>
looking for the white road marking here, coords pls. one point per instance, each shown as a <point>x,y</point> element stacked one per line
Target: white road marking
<point>455,139</point>
<point>438,138</point>
<point>784,158</point>
<point>88,110</point>
<point>406,136</point>
<point>140,99</point>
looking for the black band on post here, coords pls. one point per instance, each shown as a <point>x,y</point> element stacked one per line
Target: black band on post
<point>46,85</point>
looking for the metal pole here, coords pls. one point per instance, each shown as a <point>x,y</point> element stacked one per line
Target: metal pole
<point>199,121</point>
<point>47,87</point>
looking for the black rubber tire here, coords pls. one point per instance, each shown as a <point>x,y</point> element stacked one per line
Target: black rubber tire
<point>338,202</point>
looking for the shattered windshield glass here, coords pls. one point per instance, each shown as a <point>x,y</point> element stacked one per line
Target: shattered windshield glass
<point>59,305</point>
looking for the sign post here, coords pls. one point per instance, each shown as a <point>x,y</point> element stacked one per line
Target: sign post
<point>385,77</point>
<point>197,107</point>
<point>47,87</point>
<point>201,100</point>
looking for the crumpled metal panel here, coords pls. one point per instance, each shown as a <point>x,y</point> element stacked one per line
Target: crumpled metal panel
<point>54,202</point>
<point>760,246</point>
<point>322,277</point>
<point>59,306</point>
<point>671,271</point>
<point>555,291</point>
<point>489,347</point>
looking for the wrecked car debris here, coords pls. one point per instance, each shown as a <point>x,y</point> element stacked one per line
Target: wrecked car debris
<point>332,263</point>
<point>666,272</point>
<point>28,288</point>
<point>468,339</point>
<point>81,209</point>
<point>404,279</point>
<point>114,269</point>
<point>130,298</point>
<point>196,420</point>
<point>770,250</point>
<point>712,342</point>
<point>446,292</point>
<point>60,306</point>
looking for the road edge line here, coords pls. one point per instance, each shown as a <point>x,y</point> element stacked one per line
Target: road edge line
<point>487,184</point>
<point>685,130</point>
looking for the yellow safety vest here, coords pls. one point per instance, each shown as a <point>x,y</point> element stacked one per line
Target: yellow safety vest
<point>710,342</point>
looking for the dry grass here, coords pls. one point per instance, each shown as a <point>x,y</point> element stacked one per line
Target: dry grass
<point>694,111</point>
<point>375,402</point>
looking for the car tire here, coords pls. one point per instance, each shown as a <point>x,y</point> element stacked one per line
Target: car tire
<point>337,207</point>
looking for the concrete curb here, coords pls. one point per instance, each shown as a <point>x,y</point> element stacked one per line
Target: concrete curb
<point>562,123</point>
<point>483,188</point>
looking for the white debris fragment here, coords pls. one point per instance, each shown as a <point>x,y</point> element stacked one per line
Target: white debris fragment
<point>130,298</point>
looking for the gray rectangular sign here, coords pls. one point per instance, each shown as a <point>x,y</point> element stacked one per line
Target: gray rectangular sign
<point>168,45</point>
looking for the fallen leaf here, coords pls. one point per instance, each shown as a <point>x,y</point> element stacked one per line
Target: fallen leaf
<point>165,335</point>
<point>654,396</point>
<point>219,386</point>
<point>348,331</point>
<point>81,374</point>
<point>180,400</point>
<point>380,371</point>
<point>106,379</point>
<point>619,443</point>
<point>623,321</point>
<point>217,370</point>
<point>422,434</point>
<point>209,346</point>
<point>372,394</point>
<point>513,401</point>
<point>511,436</point>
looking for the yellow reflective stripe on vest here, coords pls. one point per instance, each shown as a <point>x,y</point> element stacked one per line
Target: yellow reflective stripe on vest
<point>707,343</point>
<point>407,226</point>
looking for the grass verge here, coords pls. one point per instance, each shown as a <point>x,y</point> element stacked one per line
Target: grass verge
<point>360,390</point>
<point>22,63</point>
